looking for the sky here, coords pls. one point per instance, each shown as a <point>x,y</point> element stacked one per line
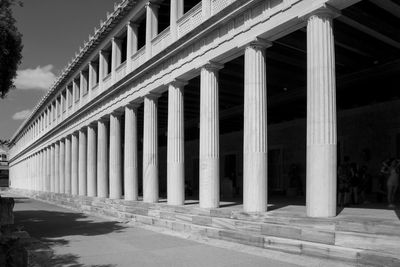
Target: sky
<point>53,31</point>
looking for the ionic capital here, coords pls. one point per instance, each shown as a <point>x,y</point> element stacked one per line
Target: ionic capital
<point>151,4</point>
<point>324,11</point>
<point>259,43</point>
<point>178,83</point>
<point>213,66</point>
<point>152,96</point>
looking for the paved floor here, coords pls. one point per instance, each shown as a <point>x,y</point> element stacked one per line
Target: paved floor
<point>82,240</point>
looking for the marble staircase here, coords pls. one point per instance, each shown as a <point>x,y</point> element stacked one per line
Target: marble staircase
<point>361,238</point>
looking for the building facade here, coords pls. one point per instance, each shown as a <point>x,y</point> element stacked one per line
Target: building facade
<point>4,177</point>
<point>146,107</point>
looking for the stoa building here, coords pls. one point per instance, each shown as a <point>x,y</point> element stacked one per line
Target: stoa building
<point>218,100</point>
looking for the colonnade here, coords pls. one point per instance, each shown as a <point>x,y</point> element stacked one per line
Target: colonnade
<point>87,163</point>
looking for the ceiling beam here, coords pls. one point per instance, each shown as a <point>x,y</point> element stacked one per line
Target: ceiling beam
<point>369,31</point>
<point>388,6</point>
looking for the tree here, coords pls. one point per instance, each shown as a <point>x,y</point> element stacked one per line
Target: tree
<point>10,47</point>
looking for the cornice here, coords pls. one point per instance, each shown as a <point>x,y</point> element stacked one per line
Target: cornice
<point>88,46</point>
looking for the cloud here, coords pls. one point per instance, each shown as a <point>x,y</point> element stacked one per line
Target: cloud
<point>40,78</point>
<point>22,115</point>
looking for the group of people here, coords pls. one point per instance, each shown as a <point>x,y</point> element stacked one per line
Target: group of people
<point>353,181</point>
<point>390,170</point>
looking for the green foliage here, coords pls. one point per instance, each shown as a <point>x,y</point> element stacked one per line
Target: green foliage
<point>10,47</point>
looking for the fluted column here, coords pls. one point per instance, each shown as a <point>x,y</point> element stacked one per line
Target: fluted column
<point>115,158</point>
<point>56,167</point>
<point>150,149</point>
<point>48,169</point>
<point>102,158</point>
<point>255,149</point>
<point>74,163</point>
<point>67,168</point>
<point>175,145</point>
<point>52,169</point>
<point>90,80</point>
<point>131,42</point>
<point>91,161</point>
<point>209,136</point>
<point>130,153</point>
<point>102,67</point>
<point>175,13</point>
<point>82,164</point>
<point>62,166</point>
<point>115,55</point>
<point>42,170</point>
<point>151,26</point>
<point>321,116</point>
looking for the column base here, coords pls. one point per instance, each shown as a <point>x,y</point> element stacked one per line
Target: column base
<point>321,180</point>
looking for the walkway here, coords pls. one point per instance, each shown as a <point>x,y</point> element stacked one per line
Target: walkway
<point>82,240</point>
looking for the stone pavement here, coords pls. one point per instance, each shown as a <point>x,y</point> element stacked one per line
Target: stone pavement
<point>83,240</point>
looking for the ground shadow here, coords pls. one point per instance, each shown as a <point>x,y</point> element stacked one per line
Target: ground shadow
<point>43,224</point>
<point>52,227</point>
<point>71,260</point>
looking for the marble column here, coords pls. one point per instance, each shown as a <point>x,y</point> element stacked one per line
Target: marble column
<point>74,163</point>
<point>91,161</point>
<point>209,136</point>
<point>56,167</point>
<point>102,158</point>
<point>102,68</point>
<point>175,145</point>
<point>91,79</point>
<point>42,171</point>
<point>62,166</point>
<point>67,168</point>
<point>175,13</point>
<point>52,169</point>
<point>151,26</point>
<point>255,172</point>
<point>48,169</point>
<point>115,158</point>
<point>321,116</point>
<point>130,153</point>
<point>115,56</point>
<point>82,164</point>
<point>150,149</point>
<point>131,43</point>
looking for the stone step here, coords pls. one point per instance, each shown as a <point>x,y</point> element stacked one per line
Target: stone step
<point>371,241</point>
<point>370,249</point>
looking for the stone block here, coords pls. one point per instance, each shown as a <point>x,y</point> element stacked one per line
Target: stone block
<point>144,220</point>
<point>177,226</point>
<point>382,243</point>
<point>367,258</point>
<point>201,220</point>
<point>318,236</point>
<point>281,231</point>
<point>136,210</point>
<point>222,213</point>
<point>243,238</point>
<point>212,233</point>
<point>285,245</point>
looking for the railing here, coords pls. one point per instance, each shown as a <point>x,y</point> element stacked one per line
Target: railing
<point>161,41</point>
<point>139,58</point>
<point>218,5</point>
<point>190,20</point>
<point>107,82</point>
<point>120,72</point>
